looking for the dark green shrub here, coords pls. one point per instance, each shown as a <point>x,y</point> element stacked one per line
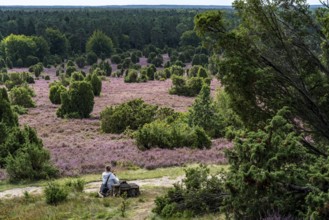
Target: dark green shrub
<point>179,63</point>
<point>150,72</point>
<point>30,162</point>
<point>77,76</point>
<point>70,63</point>
<point>132,115</point>
<point>142,77</point>
<point>177,70</point>
<point>116,59</point>
<point>19,62</point>
<point>171,135</point>
<point>70,70</point>
<point>134,58</point>
<point>31,60</point>
<point>193,72</point>
<point>81,62</point>
<point>55,193</point>
<point>197,195</point>
<point>3,77</point>
<point>106,67</point>
<point>47,77</point>
<point>96,84</point>
<point>91,58</point>
<point>21,96</point>
<point>2,63</point>
<point>160,75</point>
<point>200,59</point>
<point>55,93</point>
<point>7,116</point>
<point>131,77</point>
<point>126,63</point>
<point>186,86</point>
<point>36,69</point>
<point>9,63</point>
<point>77,102</point>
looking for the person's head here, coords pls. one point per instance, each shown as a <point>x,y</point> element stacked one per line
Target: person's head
<point>108,168</point>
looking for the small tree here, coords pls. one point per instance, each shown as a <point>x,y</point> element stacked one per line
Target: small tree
<point>77,102</point>
<point>91,58</point>
<point>96,84</point>
<point>100,43</point>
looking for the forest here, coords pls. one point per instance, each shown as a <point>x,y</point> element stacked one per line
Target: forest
<point>231,104</point>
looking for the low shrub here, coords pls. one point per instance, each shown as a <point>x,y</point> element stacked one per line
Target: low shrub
<point>91,58</point>
<point>36,69</point>
<point>55,93</point>
<point>131,77</point>
<point>55,193</point>
<point>76,185</point>
<point>47,77</point>
<point>186,86</point>
<point>176,70</point>
<point>30,162</point>
<point>22,96</point>
<point>80,61</point>
<point>77,76</point>
<point>132,114</point>
<point>77,102</point>
<point>70,70</point>
<point>19,109</point>
<point>116,59</point>
<point>95,82</point>
<point>199,194</point>
<point>106,67</point>
<point>171,135</point>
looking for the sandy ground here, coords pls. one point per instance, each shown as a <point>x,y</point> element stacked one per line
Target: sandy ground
<point>91,187</point>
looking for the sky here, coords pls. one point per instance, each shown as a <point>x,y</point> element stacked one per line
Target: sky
<point>122,2</point>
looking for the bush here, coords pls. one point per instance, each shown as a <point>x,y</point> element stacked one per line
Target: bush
<point>31,60</point>
<point>30,162</point>
<point>80,61</point>
<point>36,69</point>
<point>7,116</point>
<point>76,185</point>
<point>91,58</point>
<point>176,70</point>
<point>9,63</point>
<point>116,59</point>
<point>77,102</point>
<point>132,115</point>
<point>131,77</point>
<point>47,77</point>
<point>70,63</point>
<point>55,193</point>
<point>2,63</point>
<point>106,67</point>
<point>200,59</point>
<point>96,84</point>
<point>70,70</point>
<point>100,44</point>
<point>197,195</point>
<point>19,109</point>
<point>171,135</point>
<point>21,96</point>
<point>55,93</point>
<point>77,76</point>
<point>186,87</point>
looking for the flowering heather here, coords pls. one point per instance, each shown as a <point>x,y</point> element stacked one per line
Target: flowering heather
<point>78,146</point>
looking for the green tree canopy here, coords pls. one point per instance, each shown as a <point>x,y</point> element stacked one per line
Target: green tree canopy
<point>277,56</point>
<point>100,44</point>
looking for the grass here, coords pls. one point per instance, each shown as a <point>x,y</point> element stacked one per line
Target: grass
<point>139,174</point>
<point>90,206</point>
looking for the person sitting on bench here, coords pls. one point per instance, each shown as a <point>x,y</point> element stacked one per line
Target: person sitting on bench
<point>108,179</point>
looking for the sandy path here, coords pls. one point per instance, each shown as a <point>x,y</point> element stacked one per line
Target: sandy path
<point>91,187</point>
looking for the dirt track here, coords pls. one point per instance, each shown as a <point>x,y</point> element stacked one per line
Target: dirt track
<point>90,187</point>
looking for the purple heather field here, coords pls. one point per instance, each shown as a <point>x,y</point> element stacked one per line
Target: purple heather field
<point>79,147</point>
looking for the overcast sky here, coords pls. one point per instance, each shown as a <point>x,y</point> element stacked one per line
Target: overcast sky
<point>122,2</point>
